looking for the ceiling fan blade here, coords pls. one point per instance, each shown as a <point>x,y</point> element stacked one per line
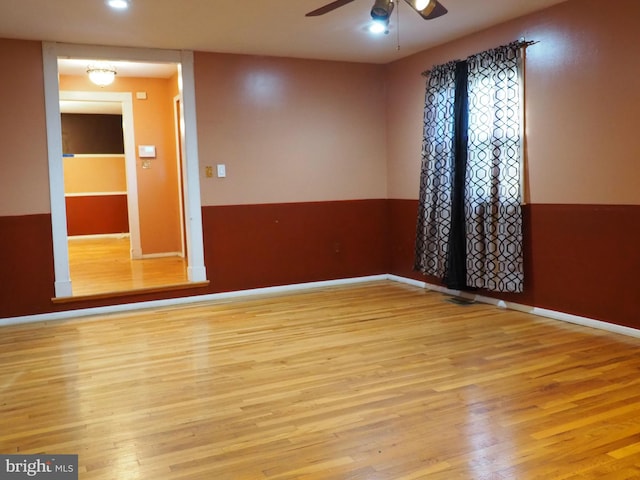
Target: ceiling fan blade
<point>328,8</point>
<point>438,11</point>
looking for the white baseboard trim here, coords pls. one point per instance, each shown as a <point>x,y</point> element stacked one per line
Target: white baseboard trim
<point>126,307</point>
<point>161,255</point>
<point>408,281</point>
<point>541,312</point>
<point>99,235</point>
<point>197,274</point>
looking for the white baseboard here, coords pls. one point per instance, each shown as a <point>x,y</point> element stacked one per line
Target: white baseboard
<point>126,307</point>
<point>408,281</point>
<point>99,235</point>
<point>161,255</point>
<point>541,312</point>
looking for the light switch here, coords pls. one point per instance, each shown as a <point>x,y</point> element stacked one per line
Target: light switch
<point>208,171</point>
<point>222,170</point>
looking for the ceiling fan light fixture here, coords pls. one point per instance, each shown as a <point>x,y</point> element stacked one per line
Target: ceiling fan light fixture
<point>423,7</point>
<point>421,4</point>
<point>381,10</point>
<point>378,27</point>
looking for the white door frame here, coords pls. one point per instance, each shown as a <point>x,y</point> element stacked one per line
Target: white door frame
<point>126,100</point>
<point>180,165</point>
<point>51,51</point>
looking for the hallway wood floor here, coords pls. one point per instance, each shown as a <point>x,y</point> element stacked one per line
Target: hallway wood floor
<point>103,265</point>
<point>372,381</point>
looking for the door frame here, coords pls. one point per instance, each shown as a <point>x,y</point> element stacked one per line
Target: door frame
<point>51,51</point>
<point>179,133</point>
<point>125,99</point>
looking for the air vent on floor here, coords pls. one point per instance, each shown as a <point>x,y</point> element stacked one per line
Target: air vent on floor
<point>460,301</point>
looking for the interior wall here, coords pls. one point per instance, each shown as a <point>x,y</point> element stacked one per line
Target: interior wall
<point>95,183</point>
<point>583,206</point>
<point>95,190</point>
<point>581,95</point>
<point>26,252</point>
<point>24,182</point>
<point>94,174</point>
<point>158,192</point>
<point>304,145</point>
<point>84,133</point>
<point>290,130</point>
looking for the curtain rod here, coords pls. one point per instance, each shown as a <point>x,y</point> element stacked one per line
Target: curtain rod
<point>522,43</point>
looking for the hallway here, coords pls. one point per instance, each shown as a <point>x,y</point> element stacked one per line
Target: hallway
<point>103,265</point>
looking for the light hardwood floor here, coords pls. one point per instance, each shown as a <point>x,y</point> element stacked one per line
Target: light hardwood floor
<point>103,265</point>
<point>373,381</point>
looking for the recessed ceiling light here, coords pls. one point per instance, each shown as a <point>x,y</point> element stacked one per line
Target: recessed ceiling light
<point>118,4</point>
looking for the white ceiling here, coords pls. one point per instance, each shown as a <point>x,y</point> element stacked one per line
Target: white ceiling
<point>259,27</point>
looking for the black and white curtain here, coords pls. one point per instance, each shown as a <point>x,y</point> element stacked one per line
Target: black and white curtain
<point>469,230</point>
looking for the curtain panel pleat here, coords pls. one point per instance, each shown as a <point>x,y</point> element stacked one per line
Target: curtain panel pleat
<point>455,276</point>
<point>436,176</point>
<point>493,199</point>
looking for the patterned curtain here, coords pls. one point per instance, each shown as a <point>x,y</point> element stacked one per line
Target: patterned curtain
<point>436,175</point>
<point>492,196</point>
<point>492,223</point>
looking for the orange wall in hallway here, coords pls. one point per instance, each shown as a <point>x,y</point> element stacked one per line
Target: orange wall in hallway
<point>158,191</point>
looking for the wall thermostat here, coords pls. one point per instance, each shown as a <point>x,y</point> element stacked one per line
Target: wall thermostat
<point>147,151</point>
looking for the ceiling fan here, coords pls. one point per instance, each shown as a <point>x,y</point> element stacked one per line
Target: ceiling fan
<point>381,10</point>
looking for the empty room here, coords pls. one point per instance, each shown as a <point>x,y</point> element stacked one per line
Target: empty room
<point>350,239</point>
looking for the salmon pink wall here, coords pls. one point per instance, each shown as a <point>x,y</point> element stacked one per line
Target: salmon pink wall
<point>24,174</point>
<point>158,193</point>
<point>581,103</point>
<point>290,130</point>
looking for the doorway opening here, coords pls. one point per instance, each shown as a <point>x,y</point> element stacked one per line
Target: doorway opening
<point>123,211</point>
<point>158,193</point>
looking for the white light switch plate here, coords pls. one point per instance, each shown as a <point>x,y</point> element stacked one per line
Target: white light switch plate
<point>222,170</point>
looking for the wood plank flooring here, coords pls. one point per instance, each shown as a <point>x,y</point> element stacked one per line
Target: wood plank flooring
<point>103,265</point>
<point>373,381</point>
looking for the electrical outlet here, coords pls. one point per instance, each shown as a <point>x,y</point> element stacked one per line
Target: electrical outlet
<point>208,171</point>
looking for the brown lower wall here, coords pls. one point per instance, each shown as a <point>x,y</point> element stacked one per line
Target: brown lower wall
<point>579,259</point>
<point>249,246</point>
<point>26,265</point>
<point>97,214</point>
<point>246,246</point>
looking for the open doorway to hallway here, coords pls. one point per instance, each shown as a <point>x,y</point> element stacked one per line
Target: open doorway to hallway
<point>124,209</point>
<point>51,53</point>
